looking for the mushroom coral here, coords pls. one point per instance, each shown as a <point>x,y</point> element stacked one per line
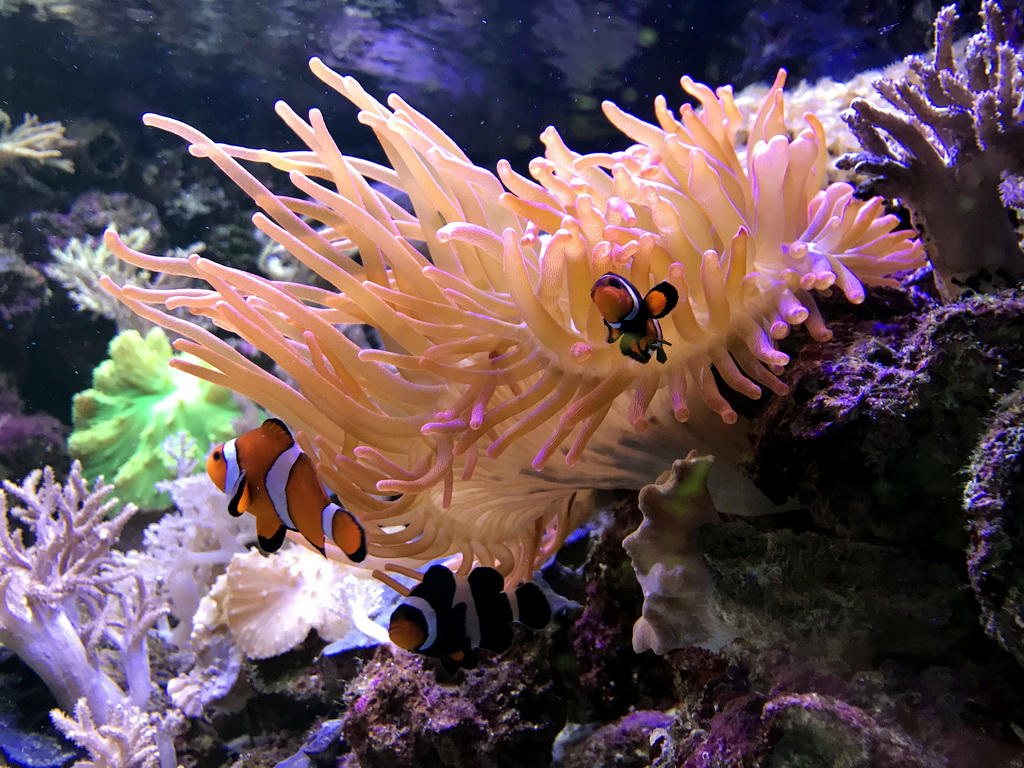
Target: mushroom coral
<point>497,403</point>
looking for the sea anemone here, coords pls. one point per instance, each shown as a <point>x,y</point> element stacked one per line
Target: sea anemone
<point>498,403</point>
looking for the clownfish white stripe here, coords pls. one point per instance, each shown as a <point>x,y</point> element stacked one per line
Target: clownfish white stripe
<point>233,473</point>
<point>464,595</point>
<point>429,616</point>
<point>638,301</point>
<point>327,520</point>
<point>277,483</point>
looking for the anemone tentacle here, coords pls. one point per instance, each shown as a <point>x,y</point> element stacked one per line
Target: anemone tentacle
<point>497,372</point>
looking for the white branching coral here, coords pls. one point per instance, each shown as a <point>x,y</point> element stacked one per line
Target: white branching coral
<point>183,553</point>
<point>498,402</point>
<point>188,549</point>
<point>70,606</point>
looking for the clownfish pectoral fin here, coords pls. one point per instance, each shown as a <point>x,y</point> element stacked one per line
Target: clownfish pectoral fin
<point>659,350</point>
<point>661,300</point>
<point>633,346</point>
<point>613,332</point>
<point>239,502</point>
<point>464,659</point>
<point>273,542</point>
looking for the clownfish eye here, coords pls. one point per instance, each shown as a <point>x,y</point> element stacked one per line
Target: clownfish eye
<point>614,282</point>
<point>217,455</point>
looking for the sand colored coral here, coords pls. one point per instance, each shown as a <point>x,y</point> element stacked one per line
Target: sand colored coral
<point>35,142</point>
<point>679,604</point>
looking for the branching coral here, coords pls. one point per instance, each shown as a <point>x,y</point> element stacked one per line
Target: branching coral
<point>69,607</point>
<point>78,264</point>
<point>496,357</point>
<point>944,149</point>
<point>184,553</point>
<point>33,141</point>
<point>127,741</point>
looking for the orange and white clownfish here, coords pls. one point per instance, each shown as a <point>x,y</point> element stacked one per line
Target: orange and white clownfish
<point>448,616</point>
<point>632,320</point>
<point>266,474</point>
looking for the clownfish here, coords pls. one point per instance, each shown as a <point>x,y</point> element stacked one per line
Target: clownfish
<point>267,475</point>
<point>632,320</point>
<point>448,616</point>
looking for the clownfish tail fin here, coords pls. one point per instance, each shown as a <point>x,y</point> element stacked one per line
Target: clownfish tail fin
<point>342,527</point>
<point>533,608</point>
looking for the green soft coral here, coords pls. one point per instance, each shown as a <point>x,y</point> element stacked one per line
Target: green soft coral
<point>137,401</point>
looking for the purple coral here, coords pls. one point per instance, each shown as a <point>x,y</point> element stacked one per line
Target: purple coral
<point>404,717</point>
<point>28,440</point>
<point>992,500</point>
<point>954,132</point>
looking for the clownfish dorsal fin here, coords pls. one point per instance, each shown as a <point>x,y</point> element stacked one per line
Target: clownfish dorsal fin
<point>484,579</point>
<point>533,608</point>
<point>274,426</point>
<point>661,300</point>
<point>240,501</point>
<point>438,586</point>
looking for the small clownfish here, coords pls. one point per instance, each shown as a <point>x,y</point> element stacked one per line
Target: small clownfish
<point>448,616</point>
<point>266,474</point>
<point>632,320</point>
